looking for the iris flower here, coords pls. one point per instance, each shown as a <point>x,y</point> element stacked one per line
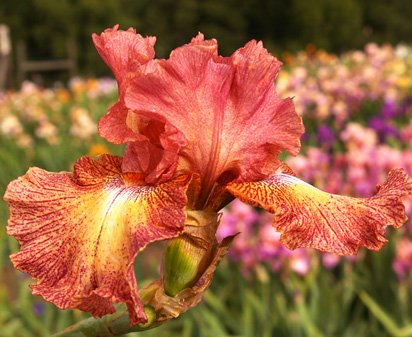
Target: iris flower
<point>199,130</point>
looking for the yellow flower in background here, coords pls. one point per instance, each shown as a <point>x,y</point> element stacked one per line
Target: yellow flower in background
<point>83,125</point>
<point>63,96</point>
<point>98,149</point>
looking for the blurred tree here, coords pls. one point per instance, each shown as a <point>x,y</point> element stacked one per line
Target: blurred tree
<point>329,24</point>
<point>225,21</point>
<point>52,26</point>
<point>44,26</point>
<point>175,22</point>
<point>283,26</point>
<point>171,21</point>
<point>268,20</point>
<point>388,21</point>
<point>93,16</point>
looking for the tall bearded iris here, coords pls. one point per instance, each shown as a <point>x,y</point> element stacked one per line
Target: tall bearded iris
<point>199,129</point>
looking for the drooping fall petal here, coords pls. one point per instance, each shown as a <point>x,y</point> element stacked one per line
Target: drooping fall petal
<point>80,232</point>
<point>308,217</point>
<point>225,107</point>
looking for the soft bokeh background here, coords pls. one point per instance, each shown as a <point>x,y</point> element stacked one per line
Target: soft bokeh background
<point>349,66</point>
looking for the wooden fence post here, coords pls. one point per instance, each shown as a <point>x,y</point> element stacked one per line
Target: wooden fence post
<point>25,66</point>
<point>5,51</point>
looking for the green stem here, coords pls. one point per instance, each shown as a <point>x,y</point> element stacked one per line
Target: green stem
<point>111,325</point>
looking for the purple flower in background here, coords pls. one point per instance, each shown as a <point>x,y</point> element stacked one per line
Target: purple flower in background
<point>269,247</point>
<point>406,107</point>
<point>326,136</point>
<point>38,308</point>
<point>364,188</point>
<point>389,109</point>
<point>228,226</point>
<point>384,128</point>
<point>299,261</point>
<point>305,137</point>
<point>244,213</point>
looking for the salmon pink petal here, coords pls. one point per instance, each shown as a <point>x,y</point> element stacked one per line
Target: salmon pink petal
<point>124,51</point>
<point>226,108</point>
<point>114,127</point>
<point>155,155</point>
<point>308,217</point>
<point>80,232</point>
<point>156,145</point>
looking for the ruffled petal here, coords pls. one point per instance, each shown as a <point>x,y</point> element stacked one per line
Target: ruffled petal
<point>153,146</point>
<point>124,51</point>
<point>114,127</point>
<point>308,217</point>
<point>80,232</point>
<point>226,108</point>
<point>156,156</point>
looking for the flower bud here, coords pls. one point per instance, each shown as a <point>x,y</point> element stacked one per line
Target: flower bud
<point>188,256</point>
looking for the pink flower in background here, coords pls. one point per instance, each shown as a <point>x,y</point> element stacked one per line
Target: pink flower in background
<point>403,260</point>
<point>357,136</point>
<point>330,260</point>
<point>299,261</point>
<point>406,133</point>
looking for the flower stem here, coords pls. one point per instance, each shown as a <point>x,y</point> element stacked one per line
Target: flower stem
<point>111,325</point>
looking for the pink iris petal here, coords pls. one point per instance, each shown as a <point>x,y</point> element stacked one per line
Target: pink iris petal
<point>155,145</point>
<point>226,108</point>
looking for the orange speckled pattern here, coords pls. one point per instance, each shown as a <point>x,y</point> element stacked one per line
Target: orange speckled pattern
<point>80,232</point>
<point>308,217</point>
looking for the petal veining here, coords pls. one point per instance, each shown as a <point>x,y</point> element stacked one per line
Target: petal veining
<point>308,217</point>
<point>226,108</point>
<point>152,146</point>
<point>80,232</point>
<point>124,51</point>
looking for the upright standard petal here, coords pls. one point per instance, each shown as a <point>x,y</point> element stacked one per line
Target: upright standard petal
<point>124,51</point>
<point>226,108</point>
<point>80,232</point>
<point>156,156</point>
<point>308,217</point>
<point>152,147</point>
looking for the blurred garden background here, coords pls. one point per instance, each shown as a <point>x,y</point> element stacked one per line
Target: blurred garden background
<point>348,65</point>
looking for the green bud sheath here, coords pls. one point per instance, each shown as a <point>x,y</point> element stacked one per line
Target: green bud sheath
<point>187,256</point>
<point>182,261</point>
